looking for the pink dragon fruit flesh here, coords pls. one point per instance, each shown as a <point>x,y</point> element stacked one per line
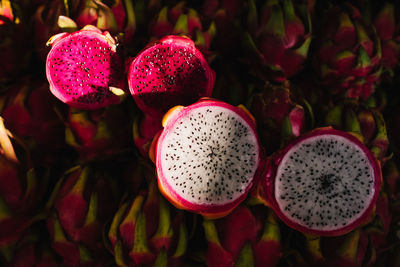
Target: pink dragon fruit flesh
<point>325,183</point>
<point>206,157</point>
<point>170,72</point>
<point>84,69</point>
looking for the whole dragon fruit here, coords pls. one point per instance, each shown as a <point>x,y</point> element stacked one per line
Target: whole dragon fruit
<point>348,53</point>
<point>144,130</point>
<point>249,236</point>
<point>366,122</point>
<point>15,49</point>
<point>278,36</point>
<point>386,23</point>
<point>84,69</point>
<point>31,249</point>
<point>98,134</point>
<point>28,112</point>
<point>45,25</point>
<point>116,17</point>
<point>22,189</point>
<point>279,117</point>
<point>146,231</point>
<point>80,205</point>
<point>184,20</point>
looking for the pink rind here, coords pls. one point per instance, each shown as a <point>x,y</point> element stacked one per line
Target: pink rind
<point>270,183</point>
<point>92,33</point>
<point>175,40</point>
<point>210,211</point>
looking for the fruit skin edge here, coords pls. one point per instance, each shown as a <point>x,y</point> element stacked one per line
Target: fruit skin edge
<point>269,184</point>
<point>208,211</point>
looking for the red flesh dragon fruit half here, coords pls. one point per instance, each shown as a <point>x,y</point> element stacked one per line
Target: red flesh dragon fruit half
<point>170,72</point>
<point>84,69</point>
<point>325,183</point>
<point>206,157</point>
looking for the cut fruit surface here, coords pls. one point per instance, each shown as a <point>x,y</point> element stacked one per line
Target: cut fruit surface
<point>326,183</point>
<point>84,69</point>
<point>170,72</point>
<point>207,156</point>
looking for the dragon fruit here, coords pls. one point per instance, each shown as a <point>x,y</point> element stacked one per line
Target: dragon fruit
<point>144,130</point>
<point>279,37</point>
<point>249,236</point>
<point>31,249</point>
<point>21,189</point>
<point>326,183</point>
<point>84,69</point>
<point>348,53</point>
<point>15,49</point>
<point>145,231</point>
<point>362,120</point>
<point>278,116</point>
<point>80,205</point>
<point>206,156</point>
<point>98,134</point>
<point>170,72</point>
<point>45,25</point>
<point>182,19</point>
<point>225,15</point>
<point>28,112</point>
<point>115,17</point>
<point>387,28</point>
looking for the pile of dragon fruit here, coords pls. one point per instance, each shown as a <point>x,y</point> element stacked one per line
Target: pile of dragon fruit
<point>199,133</point>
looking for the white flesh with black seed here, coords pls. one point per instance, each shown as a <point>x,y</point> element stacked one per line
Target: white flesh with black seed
<point>210,155</point>
<point>324,182</point>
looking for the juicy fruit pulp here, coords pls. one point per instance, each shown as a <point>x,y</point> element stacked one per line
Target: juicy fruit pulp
<point>326,183</point>
<point>207,156</point>
<point>171,72</point>
<point>84,69</point>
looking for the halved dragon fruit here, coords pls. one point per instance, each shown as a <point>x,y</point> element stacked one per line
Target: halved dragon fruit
<point>170,72</point>
<point>325,182</point>
<point>207,156</point>
<point>84,69</point>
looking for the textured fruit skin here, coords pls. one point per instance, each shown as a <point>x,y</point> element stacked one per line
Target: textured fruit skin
<point>209,211</point>
<point>270,184</point>
<point>31,249</point>
<point>279,36</point>
<point>249,235</point>
<point>145,231</point>
<point>28,112</point>
<point>98,134</point>
<point>172,86</point>
<point>80,205</point>
<point>387,28</point>
<point>14,47</point>
<point>348,53</point>
<point>21,189</point>
<point>279,117</point>
<point>144,130</point>
<point>88,91</point>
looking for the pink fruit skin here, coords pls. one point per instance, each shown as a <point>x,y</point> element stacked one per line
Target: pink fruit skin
<point>87,86</point>
<point>168,90</point>
<point>144,131</point>
<point>244,225</point>
<point>166,189</point>
<point>71,209</point>
<point>270,184</point>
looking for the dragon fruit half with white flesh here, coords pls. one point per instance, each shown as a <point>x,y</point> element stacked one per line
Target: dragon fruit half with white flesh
<point>325,183</point>
<point>206,156</point>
